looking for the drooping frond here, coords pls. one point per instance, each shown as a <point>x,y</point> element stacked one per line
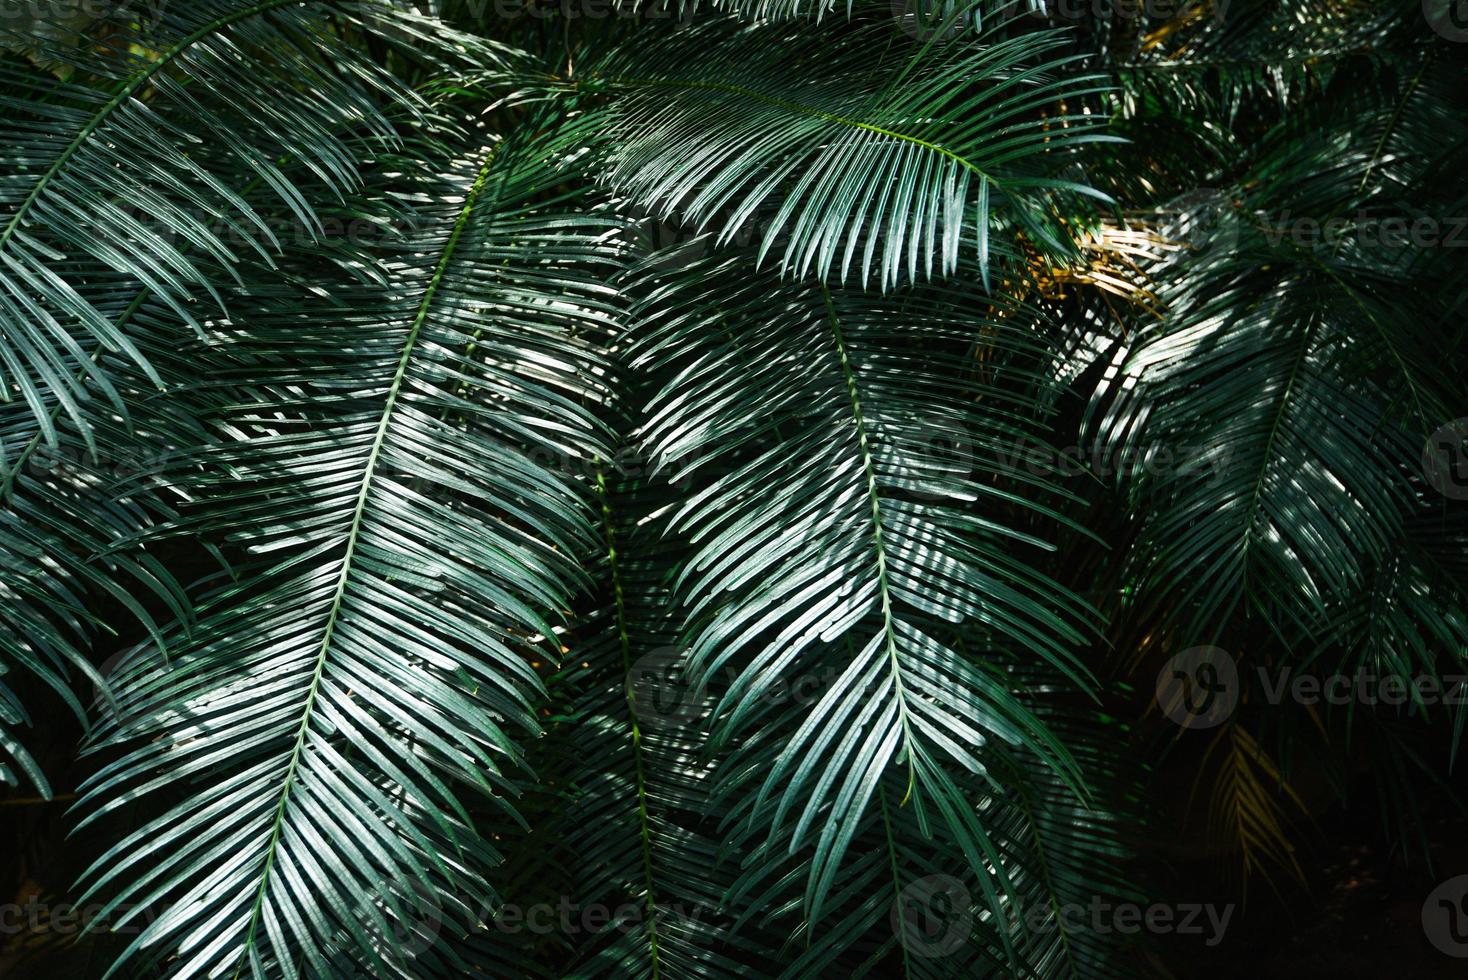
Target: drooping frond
<point>370,663</point>
<point>67,517</point>
<point>638,823</point>
<point>1291,358</point>
<point>906,902</point>
<point>832,538</point>
<point>1251,804</point>
<point>853,156</point>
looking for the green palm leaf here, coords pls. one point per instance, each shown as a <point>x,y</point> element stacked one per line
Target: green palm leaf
<point>371,661</point>
<point>877,543</point>
<point>851,155</point>
<point>68,523</point>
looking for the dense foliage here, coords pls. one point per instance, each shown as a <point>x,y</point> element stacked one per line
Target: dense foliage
<point>567,489</point>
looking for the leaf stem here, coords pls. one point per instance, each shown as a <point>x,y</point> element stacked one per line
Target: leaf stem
<point>625,642</point>
<point>879,545</point>
<point>358,513</point>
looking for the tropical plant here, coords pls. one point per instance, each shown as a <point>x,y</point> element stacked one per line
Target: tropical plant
<point>518,491</point>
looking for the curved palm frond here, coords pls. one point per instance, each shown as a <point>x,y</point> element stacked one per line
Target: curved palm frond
<point>371,660</point>
<point>851,155</point>
<point>1297,367</point>
<point>808,690</point>
<point>638,826</point>
<point>69,519</point>
<point>879,543</point>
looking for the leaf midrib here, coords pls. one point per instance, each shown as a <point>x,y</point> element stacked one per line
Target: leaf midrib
<point>644,821</point>
<point>878,534</point>
<point>813,112</point>
<point>358,511</point>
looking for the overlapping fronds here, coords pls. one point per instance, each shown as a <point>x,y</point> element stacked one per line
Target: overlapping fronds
<point>1292,360</point>
<point>69,517</point>
<point>854,156</point>
<point>877,544</point>
<point>128,168</point>
<point>684,467</point>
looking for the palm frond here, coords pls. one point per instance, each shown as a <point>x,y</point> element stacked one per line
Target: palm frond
<point>853,156</point>
<point>878,542</point>
<point>69,520</point>
<point>370,662</point>
<point>1297,369</point>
